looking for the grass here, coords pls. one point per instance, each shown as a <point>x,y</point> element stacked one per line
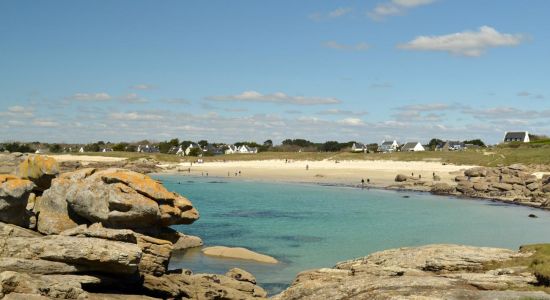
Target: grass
<point>495,156</point>
<point>538,264</point>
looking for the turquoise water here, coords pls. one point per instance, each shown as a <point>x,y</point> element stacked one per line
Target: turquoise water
<point>312,226</point>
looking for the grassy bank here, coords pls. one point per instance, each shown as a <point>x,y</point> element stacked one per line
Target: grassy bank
<point>486,157</point>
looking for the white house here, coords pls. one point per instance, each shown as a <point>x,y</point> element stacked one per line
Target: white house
<point>247,150</point>
<point>231,149</point>
<point>192,146</point>
<point>180,151</point>
<point>518,136</point>
<point>388,146</point>
<point>412,147</point>
<point>358,147</point>
<point>81,150</point>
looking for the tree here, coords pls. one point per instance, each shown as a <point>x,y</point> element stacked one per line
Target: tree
<point>297,142</point>
<point>203,143</point>
<point>17,147</point>
<point>434,142</point>
<point>55,148</point>
<point>92,147</point>
<point>330,146</point>
<point>476,142</point>
<point>268,143</point>
<point>195,152</point>
<point>120,147</point>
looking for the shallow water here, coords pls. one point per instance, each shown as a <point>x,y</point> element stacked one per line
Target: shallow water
<point>312,226</point>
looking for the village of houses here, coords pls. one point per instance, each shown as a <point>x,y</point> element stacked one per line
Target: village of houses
<point>386,146</point>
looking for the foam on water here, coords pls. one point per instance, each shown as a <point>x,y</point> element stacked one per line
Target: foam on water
<point>311,226</point>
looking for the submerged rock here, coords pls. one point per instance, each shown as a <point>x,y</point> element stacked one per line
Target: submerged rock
<point>238,253</point>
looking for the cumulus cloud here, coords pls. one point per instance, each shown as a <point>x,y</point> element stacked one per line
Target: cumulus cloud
<point>143,86</point>
<point>177,101</point>
<point>18,111</point>
<point>530,95</point>
<point>136,116</point>
<point>337,13</point>
<point>395,8</point>
<point>132,98</point>
<point>426,107</point>
<point>351,122</point>
<point>279,97</point>
<point>90,97</point>
<point>45,123</point>
<point>357,47</point>
<point>466,43</point>
<point>336,111</point>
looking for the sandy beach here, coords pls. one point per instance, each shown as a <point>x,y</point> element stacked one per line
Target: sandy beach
<point>85,158</point>
<point>377,173</point>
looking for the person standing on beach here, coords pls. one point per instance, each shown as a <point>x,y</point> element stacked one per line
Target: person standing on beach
<point>362,183</point>
<point>307,167</point>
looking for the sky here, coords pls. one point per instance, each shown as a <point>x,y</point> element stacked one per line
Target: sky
<point>226,71</point>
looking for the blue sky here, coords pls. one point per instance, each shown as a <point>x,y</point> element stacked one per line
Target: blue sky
<point>81,71</point>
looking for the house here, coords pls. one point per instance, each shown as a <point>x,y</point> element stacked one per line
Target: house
<point>247,150</point>
<point>107,150</point>
<point>211,149</point>
<point>180,151</point>
<point>231,149</point>
<point>358,147</point>
<point>450,146</point>
<point>192,146</point>
<point>147,149</point>
<point>412,147</point>
<point>518,136</point>
<point>388,146</point>
<point>81,150</point>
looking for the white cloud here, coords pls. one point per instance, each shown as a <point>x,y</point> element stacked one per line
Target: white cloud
<point>357,47</point>
<point>18,111</point>
<point>337,13</point>
<point>351,122</point>
<point>90,97</point>
<point>466,43</point>
<point>45,123</point>
<point>426,107</point>
<point>132,98</point>
<point>396,8</point>
<point>177,101</point>
<point>135,116</point>
<point>143,86</point>
<point>279,97</point>
<point>336,111</point>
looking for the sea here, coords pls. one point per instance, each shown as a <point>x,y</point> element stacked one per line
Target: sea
<point>309,226</point>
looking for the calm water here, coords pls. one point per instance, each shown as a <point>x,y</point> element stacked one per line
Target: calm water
<point>311,226</point>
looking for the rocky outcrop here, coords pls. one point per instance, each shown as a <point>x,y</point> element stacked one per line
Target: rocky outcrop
<point>39,169</point>
<point>115,198</point>
<point>10,161</point>
<point>99,231</point>
<point>429,272</point>
<point>14,197</point>
<point>510,184</point>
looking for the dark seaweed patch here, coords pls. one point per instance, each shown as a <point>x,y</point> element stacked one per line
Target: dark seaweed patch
<point>300,238</point>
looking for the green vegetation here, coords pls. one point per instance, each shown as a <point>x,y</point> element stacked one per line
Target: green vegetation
<point>484,157</point>
<point>538,264</point>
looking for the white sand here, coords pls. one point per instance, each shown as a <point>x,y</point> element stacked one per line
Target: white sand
<point>85,158</point>
<point>380,172</point>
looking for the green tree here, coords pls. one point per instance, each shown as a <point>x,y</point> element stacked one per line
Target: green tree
<point>203,143</point>
<point>195,152</point>
<point>476,142</point>
<point>55,148</point>
<point>92,147</point>
<point>434,142</point>
<point>120,147</point>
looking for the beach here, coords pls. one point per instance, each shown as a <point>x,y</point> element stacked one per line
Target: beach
<point>376,173</point>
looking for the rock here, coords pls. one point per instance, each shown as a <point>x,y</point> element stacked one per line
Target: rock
<point>428,272</point>
<point>481,186</point>
<point>532,216</point>
<point>201,286</point>
<point>461,178</point>
<point>187,241</point>
<point>476,172</point>
<point>546,188</point>
<point>53,210</point>
<point>517,167</point>
<point>179,240</point>
<point>400,178</point>
<point>98,231</point>
<point>51,286</point>
<point>465,187</point>
<point>533,186</point>
<point>86,254</point>
<point>238,253</point>
<point>442,189</point>
<point>503,186</point>
<point>156,255</point>
<point>115,198</point>
<point>241,275</point>
<point>39,169</point>
<point>14,196</point>
<point>512,180</point>
<point>10,230</point>
<point>9,162</point>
